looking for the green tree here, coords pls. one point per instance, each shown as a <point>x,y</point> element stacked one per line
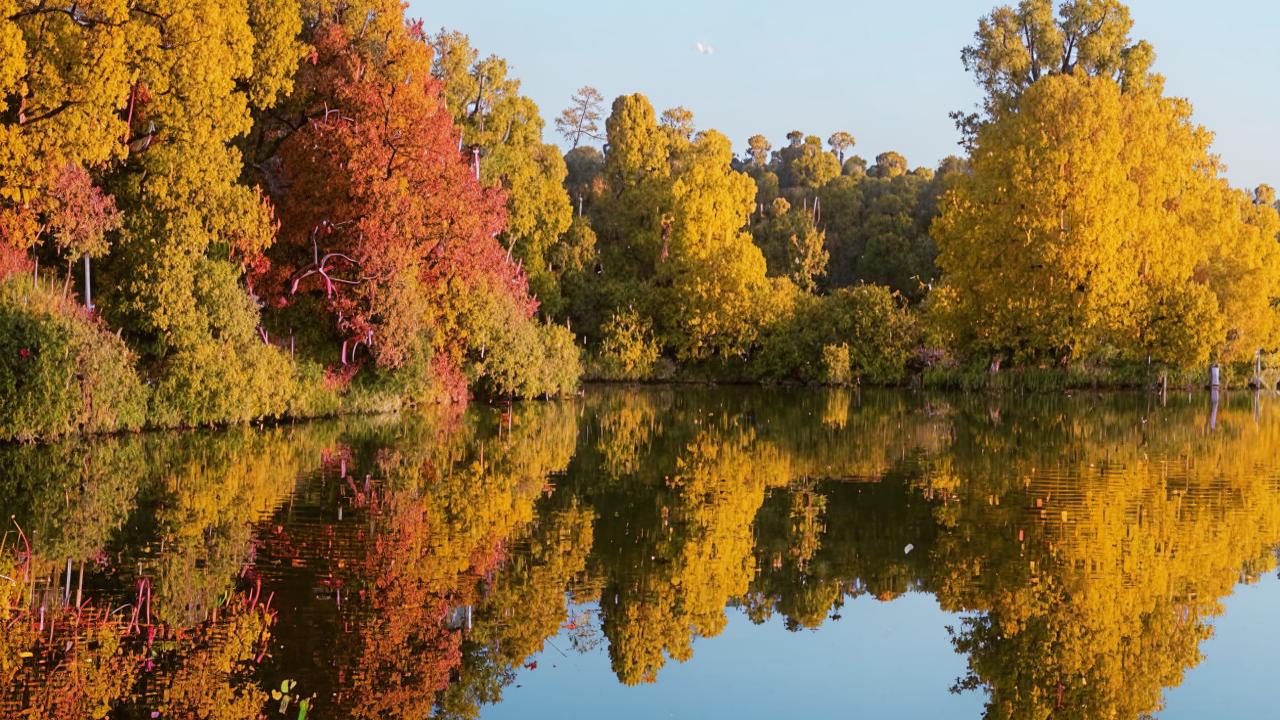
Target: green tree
<point>855,166</point>
<point>878,226</point>
<point>793,246</point>
<point>888,165</point>
<point>805,165</point>
<point>584,167</point>
<point>758,148</point>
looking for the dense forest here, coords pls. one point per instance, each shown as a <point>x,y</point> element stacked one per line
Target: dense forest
<point>229,210</point>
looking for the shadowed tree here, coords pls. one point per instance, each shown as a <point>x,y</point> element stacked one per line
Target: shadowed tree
<point>855,166</point>
<point>888,165</point>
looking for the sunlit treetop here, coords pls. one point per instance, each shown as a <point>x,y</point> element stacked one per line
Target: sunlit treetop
<point>1015,46</point>
<point>841,142</point>
<point>582,117</point>
<point>758,149</point>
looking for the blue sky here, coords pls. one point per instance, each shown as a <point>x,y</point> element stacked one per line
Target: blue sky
<point>889,72</point>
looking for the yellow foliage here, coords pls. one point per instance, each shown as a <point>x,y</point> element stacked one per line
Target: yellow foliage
<point>1091,217</point>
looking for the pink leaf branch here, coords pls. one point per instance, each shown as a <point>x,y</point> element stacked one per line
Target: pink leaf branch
<point>321,268</point>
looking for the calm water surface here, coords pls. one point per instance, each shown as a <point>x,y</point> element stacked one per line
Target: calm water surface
<point>655,553</point>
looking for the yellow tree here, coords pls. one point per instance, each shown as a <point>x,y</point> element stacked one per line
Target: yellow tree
<point>504,130</point>
<point>716,273</point>
<point>1095,217</point>
<point>65,78</point>
<point>1014,47</point>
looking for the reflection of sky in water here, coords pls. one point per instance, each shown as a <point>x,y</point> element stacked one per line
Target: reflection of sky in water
<point>1237,677</point>
<point>881,659</point>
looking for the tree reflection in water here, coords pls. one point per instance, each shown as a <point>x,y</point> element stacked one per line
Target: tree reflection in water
<point>416,566</point>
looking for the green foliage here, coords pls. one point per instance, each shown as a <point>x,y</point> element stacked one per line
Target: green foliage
<point>792,245</point>
<point>864,330</point>
<point>877,225</point>
<point>512,355</point>
<point>804,164</point>
<point>61,372</point>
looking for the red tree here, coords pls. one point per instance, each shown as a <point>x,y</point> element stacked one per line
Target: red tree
<point>382,216</point>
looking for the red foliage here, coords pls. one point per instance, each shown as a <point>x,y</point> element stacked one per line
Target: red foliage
<point>13,261</point>
<point>452,381</point>
<point>79,214</point>
<point>381,214</point>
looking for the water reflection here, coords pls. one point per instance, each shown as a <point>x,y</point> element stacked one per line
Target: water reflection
<point>418,566</point>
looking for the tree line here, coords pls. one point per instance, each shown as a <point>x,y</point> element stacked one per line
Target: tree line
<point>227,211</point>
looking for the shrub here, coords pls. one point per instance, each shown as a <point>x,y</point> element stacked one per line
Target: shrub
<point>531,359</point>
<point>628,349</point>
<point>510,354</point>
<point>61,372</point>
<point>561,360</point>
<point>836,369</point>
<point>222,382</point>
<point>877,333</point>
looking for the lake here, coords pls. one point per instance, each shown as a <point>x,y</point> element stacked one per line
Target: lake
<point>664,552</point>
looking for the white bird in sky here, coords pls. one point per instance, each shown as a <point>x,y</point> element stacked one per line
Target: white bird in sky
<point>704,48</point>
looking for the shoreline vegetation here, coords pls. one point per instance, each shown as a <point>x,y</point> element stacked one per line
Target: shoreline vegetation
<point>239,211</point>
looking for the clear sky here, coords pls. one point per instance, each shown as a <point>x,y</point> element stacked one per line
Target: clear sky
<point>886,70</point>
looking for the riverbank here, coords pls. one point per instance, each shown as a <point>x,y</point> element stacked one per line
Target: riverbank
<point>64,373</point>
<point>975,378</point>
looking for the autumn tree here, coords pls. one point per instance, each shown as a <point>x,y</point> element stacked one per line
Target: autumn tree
<point>1016,46</point>
<point>503,130</point>
<point>679,122</point>
<point>64,78</point>
<point>1095,216</point>
<point>717,275</point>
<point>582,117</point>
<point>384,220</point>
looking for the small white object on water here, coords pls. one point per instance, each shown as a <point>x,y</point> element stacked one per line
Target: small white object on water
<point>907,550</point>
